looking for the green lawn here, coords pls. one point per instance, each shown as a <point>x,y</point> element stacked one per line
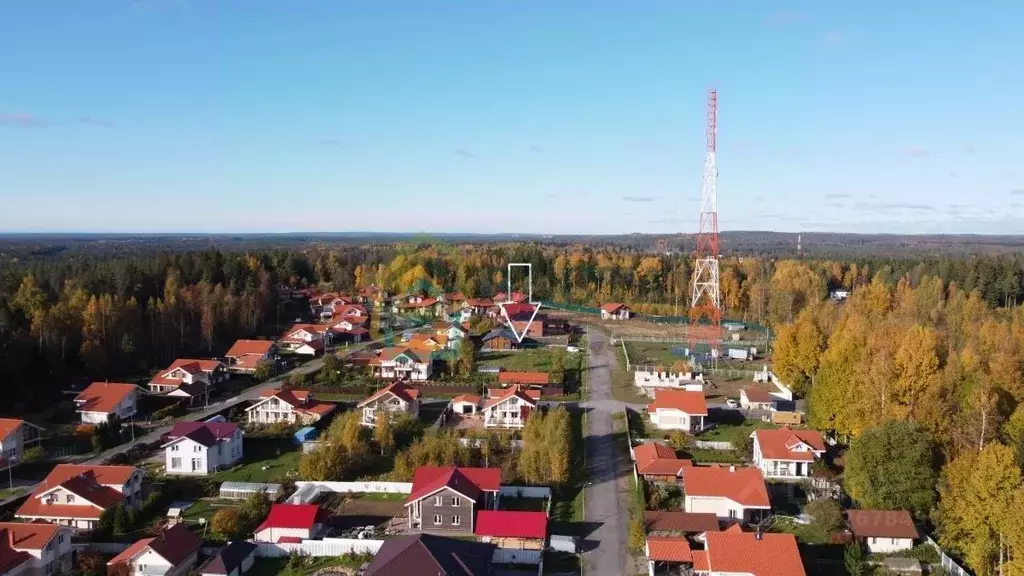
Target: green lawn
<point>266,460</point>
<point>383,497</point>
<point>538,360</point>
<point>700,456</point>
<point>727,432</point>
<point>805,533</point>
<point>653,353</point>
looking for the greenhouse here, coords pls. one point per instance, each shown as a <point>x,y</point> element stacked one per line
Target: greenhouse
<point>243,490</point>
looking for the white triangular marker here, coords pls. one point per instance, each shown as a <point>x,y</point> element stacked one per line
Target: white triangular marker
<point>511,325</point>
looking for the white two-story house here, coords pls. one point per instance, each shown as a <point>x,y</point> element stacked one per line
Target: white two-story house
<point>288,406</point>
<point>510,407</point>
<point>678,410</point>
<point>397,398</point>
<point>786,453</point>
<point>34,549</point>
<point>172,552</point>
<point>402,363</point>
<point>76,496</point>
<point>15,436</point>
<point>101,401</point>
<point>308,339</point>
<point>200,448</point>
<point>183,376</point>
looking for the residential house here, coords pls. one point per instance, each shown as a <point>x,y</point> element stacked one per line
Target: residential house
<point>692,524</point>
<point>480,307</point>
<point>657,462</point>
<point>200,448</point>
<point>668,555</point>
<point>447,498</point>
<point>453,331</point>
<point>289,406</point>
<point>512,529</point>
<point>348,329</point>
<point>615,311</point>
<point>419,305</point>
<point>102,401</point>
<point>245,355</point>
<point>427,343</point>
<point>235,559</point>
<point>727,492</point>
<point>181,378</point>
<point>510,407</point>
<point>499,339</point>
<point>678,410</point>
<point>753,398</point>
<point>453,298</point>
<point>35,549</point>
<point>466,404</point>
<point>76,495</point>
<point>401,362</point>
<point>734,552</point>
<point>883,531</point>
<point>15,436</point>
<point>396,398</point>
<point>291,523</point>
<point>531,379</point>
<point>514,298</point>
<point>434,555</point>
<point>523,319</point>
<point>172,552</point>
<point>786,453</point>
<point>306,339</point>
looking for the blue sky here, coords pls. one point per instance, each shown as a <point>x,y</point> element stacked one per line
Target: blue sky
<point>530,116</point>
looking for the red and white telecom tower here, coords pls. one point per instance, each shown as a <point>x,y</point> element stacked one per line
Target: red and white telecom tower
<point>706,304</point>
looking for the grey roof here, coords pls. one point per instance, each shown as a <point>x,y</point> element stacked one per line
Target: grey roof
<point>229,558</point>
<point>433,555</point>
<point>499,333</point>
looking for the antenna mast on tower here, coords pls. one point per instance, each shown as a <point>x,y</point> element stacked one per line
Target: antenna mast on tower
<point>706,304</point>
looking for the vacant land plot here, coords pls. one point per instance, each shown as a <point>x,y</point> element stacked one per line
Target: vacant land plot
<point>266,460</point>
<point>538,360</point>
<point>355,510</point>
<point>655,353</point>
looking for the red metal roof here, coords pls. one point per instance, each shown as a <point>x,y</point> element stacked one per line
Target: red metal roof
<point>612,307</point>
<point>302,516</point>
<point>692,403</point>
<point>779,444</point>
<point>537,378</point>
<point>746,553</point>
<point>467,481</point>
<point>744,486</point>
<point>668,549</point>
<point>511,524</point>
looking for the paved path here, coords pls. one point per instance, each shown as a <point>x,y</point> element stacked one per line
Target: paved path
<point>606,501</point>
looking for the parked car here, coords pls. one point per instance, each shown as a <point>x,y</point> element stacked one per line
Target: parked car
<point>572,349</point>
<point>731,403</point>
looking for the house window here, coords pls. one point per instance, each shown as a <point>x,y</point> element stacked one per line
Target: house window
<point>71,498</point>
<point>732,514</point>
<point>196,448</point>
<point>174,448</point>
<point>49,567</point>
<point>49,545</point>
<point>456,502</point>
<point>438,500</point>
<point>456,520</point>
<point>437,519</point>
<point>175,462</point>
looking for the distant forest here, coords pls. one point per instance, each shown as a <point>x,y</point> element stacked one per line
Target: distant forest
<point>94,307</point>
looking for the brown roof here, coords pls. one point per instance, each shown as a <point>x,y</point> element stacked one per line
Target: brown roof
<point>430,554</point>
<point>758,395</point>
<point>692,403</point>
<point>535,378</point>
<point>9,557</point>
<point>881,524</point>
<point>685,522</point>
<point>514,390</point>
<point>244,347</point>
<point>778,444</point>
<point>103,397</point>
<point>746,553</point>
<point>400,389</point>
<point>174,543</point>
<point>93,484</point>
<point>668,549</point>
<point>657,459</point>
<point>745,486</point>
<point>470,398</point>
<point>29,535</point>
<point>612,306</point>
<point>191,365</point>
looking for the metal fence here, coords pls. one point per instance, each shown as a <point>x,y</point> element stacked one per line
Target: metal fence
<point>948,563</point>
<point>712,445</point>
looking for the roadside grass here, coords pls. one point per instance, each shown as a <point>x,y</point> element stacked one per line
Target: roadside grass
<point>623,387</point>
<point>567,501</point>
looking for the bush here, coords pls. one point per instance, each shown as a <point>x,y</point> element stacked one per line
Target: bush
<point>33,454</point>
<point>827,514</point>
<point>227,522</point>
<point>174,410</point>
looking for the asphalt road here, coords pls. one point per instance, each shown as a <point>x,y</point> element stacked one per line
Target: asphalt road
<point>605,499</point>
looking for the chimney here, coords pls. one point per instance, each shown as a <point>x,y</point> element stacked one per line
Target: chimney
<point>757,534</point>
<point>732,468</point>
